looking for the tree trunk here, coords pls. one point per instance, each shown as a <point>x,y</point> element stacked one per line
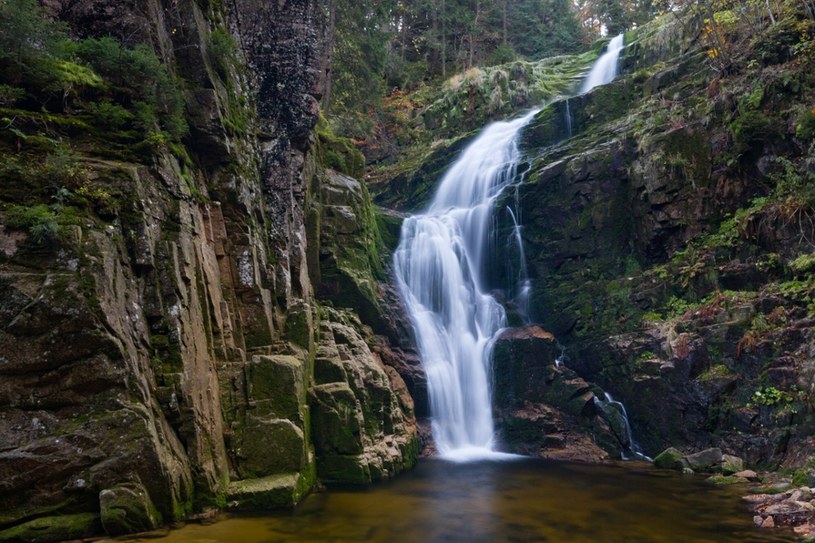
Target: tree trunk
<point>330,39</point>
<point>770,11</point>
<point>504,14</point>
<point>443,40</point>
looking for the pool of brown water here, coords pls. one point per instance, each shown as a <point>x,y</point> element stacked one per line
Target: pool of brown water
<point>505,501</point>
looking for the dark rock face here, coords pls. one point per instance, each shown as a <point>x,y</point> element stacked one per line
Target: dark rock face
<point>543,408</point>
<point>150,364</point>
<point>652,261</point>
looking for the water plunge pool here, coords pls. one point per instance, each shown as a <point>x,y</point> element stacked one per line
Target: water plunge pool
<point>525,500</point>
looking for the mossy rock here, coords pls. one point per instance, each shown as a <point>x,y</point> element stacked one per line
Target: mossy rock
<point>271,446</point>
<point>347,469</point>
<point>56,528</point>
<point>127,509</point>
<point>273,492</point>
<point>726,480</point>
<point>277,384</point>
<point>337,420</point>
<point>669,459</point>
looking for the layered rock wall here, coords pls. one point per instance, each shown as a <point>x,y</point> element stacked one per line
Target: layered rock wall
<point>159,359</point>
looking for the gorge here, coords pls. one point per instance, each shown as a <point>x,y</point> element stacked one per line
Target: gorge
<point>200,282</point>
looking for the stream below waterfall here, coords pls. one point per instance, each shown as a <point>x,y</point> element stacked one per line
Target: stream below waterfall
<point>529,500</point>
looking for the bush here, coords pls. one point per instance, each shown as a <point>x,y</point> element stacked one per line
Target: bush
<point>10,95</point>
<point>222,51</point>
<point>110,115</point>
<point>40,222</point>
<point>141,82</point>
<point>805,127</point>
<point>502,54</point>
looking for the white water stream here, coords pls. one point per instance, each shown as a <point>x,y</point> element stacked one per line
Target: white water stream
<point>438,265</point>
<point>605,69</point>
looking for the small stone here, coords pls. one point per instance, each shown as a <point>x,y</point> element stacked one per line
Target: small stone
<point>768,523</point>
<point>804,530</point>
<point>748,474</point>
<point>758,520</point>
<point>801,495</point>
<point>731,464</point>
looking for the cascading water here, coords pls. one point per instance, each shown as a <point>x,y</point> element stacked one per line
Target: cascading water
<point>438,265</point>
<point>605,69</point>
<point>614,412</point>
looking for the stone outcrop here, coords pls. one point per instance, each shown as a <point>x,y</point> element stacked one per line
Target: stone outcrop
<point>661,254</point>
<point>363,428</point>
<point>542,407</point>
<point>158,358</point>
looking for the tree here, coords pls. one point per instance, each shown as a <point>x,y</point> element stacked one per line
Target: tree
<point>29,42</point>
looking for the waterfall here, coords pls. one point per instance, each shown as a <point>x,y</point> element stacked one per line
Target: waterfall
<point>568,119</point>
<point>605,69</point>
<point>614,412</point>
<point>522,285</point>
<point>438,265</point>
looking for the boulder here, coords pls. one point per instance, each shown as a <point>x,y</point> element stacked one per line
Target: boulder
<point>705,460</point>
<point>731,464</point>
<point>126,509</point>
<point>59,528</point>
<point>670,458</point>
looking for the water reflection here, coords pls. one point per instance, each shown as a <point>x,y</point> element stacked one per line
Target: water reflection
<point>521,501</point>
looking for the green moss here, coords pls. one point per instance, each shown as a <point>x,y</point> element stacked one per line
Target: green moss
<point>346,469</point>
<point>338,153</point>
<point>715,372</point>
<point>751,129</point>
<point>726,480</point>
<point>273,492</point>
<point>57,528</point>
<point>805,127</point>
<point>803,263</point>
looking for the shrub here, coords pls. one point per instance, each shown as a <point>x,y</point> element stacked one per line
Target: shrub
<point>110,115</point>
<point>805,127</point>
<point>222,51</point>
<point>40,221</point>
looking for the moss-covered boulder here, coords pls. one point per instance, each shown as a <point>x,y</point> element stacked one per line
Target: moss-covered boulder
<point>670,458</point>
<point>55,528</point>
<point>283,490</point>
<point>126,509</point>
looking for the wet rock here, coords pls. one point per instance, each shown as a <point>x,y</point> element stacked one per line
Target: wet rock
<point>127,509</point>
<point>750,475</point>
<point>53,528</point>
<point>537,400</point>
<point>731,464</point>
<point>362,422</point>
<point>281,490</point>
<point>705,460</point>
<point>670,459</point>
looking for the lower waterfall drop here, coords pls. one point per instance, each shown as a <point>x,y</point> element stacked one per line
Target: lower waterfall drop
<point>438,265</point>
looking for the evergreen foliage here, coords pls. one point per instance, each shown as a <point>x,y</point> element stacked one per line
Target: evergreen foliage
<point>43,68</point>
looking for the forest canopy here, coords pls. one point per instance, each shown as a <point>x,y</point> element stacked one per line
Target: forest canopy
<point>381,45</point>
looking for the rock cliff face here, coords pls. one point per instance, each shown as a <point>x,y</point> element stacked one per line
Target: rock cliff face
<point>669,237</point>
<point>159,358</point>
